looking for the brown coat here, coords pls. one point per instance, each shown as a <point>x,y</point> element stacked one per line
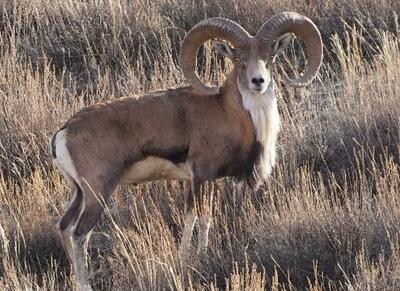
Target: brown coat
<point>213,133</point>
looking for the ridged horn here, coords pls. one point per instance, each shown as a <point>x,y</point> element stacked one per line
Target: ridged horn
<point>216,27</point>
<point>303,28</point>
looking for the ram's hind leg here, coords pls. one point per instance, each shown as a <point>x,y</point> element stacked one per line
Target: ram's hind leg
<point>95,194</point>
<point>92,186</point>
<point>68,220</point>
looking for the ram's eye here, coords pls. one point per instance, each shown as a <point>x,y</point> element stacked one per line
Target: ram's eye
<point>237,60</point>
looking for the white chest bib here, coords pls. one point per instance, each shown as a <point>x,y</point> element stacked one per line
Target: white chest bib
<point>264,113</point>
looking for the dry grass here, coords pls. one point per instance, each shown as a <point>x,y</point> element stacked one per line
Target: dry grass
<point>328,218</point>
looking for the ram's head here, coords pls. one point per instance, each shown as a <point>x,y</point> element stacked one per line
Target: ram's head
<point>253,56</point>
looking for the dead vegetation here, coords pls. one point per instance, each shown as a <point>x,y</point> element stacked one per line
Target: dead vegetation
<point>329,217</point>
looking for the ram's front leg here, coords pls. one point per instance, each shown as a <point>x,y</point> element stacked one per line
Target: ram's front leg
<point>204,202</point>
<point>198,203</point>
<point>190,219</point>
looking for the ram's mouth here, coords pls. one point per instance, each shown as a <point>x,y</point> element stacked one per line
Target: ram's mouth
<point>257,90</point>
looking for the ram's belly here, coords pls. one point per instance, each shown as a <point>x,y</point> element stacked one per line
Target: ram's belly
<point>154,168</point>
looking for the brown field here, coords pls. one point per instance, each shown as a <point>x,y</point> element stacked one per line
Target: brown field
<point>327,219</point>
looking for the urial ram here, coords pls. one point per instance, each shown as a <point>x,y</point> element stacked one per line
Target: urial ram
<point>194,134</point>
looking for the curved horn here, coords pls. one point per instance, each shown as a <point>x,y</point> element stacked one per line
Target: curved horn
<point>303,28</point>
<point>216,27</point>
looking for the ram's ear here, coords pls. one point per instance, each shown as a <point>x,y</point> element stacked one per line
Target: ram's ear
<point>282,42</point>
<point>224,49</point>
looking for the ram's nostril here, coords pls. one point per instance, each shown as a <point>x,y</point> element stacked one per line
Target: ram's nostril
<point>257,81</point>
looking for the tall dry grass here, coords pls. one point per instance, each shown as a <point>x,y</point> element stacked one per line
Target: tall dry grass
<point>327,219</point>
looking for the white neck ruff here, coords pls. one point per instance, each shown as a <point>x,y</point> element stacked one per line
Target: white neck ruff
<point>264,113</point>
